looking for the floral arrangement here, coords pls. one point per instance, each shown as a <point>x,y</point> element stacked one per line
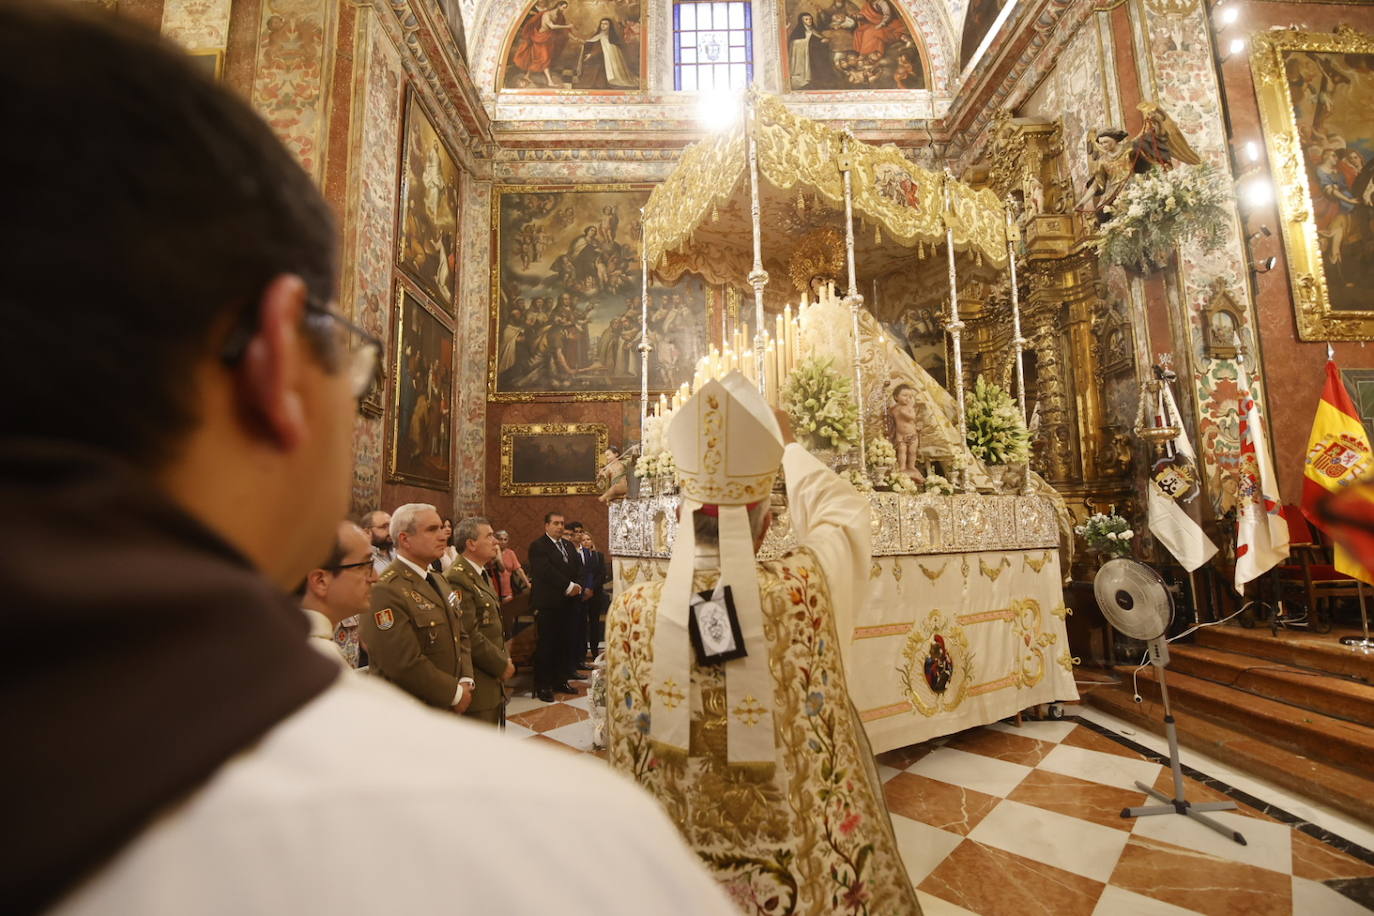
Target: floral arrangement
<point>655,460</point>
<point>996,430</point>
<point>859,480</point>
<point>937,484</point>
<point>881,453</point>
<point>1108,534</point>
<point>821,404</point>
<point>902,483</point>
<point>660,464</point>
<point>1163,209</point>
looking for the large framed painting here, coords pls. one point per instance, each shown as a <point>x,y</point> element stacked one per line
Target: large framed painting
<point>582,45</point>
<point>565,306</point>
<point>844,44</point>
<point>1316,99</point>
<point>551,459</point>
<point>422,395</point>
<point>428,230</point>
<point>979,20</point>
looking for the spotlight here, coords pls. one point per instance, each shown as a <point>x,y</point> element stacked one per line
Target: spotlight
<point>719,109</point>
<point>1228,13</point>
<point>1262,232</point>
<point>1252,150</point>
<point>1257,193</point>
<point>1234,47</point>
<point>1265,265</point>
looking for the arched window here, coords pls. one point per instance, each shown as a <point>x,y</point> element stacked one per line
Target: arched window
<point>713,44</point>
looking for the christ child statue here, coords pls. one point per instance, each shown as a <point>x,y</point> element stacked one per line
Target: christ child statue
<point>905,435</point>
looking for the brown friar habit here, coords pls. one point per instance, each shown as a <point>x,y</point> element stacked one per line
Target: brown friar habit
<point>141,653</point>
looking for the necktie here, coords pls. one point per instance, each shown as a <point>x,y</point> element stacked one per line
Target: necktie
<point>563,550</point>
<point>434,584</point>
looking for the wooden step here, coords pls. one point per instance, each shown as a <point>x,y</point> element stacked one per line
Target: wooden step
<point>1346,792</point>
<point>1335,742</point>
<point>1322,652</point>
<point>1332,695</point>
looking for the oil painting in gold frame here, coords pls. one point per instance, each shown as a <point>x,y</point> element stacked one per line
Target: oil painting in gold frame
<point>420,447</point>
<point>551,459</point>
<point>1316,101</point>
<point>566,287</point>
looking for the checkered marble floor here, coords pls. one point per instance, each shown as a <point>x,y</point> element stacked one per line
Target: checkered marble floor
<point>1026,820</point>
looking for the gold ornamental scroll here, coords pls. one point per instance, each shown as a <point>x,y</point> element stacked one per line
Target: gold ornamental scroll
<point>703,204</point>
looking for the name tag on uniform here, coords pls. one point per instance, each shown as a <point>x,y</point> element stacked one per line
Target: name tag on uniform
<point>714,627</point>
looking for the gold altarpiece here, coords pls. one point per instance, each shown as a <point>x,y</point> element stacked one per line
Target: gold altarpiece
<point>1081,371</point>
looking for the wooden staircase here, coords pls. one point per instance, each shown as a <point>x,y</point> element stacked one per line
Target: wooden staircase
<point>1294,709</point>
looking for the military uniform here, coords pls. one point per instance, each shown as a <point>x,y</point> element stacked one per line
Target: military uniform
<point>415,636</point>
<point>481,613</point>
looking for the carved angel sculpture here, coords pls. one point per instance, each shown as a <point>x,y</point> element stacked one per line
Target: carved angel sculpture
<point>1111,160</point>
<point>1160,141</point>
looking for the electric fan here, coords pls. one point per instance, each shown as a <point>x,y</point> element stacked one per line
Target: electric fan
<point>1135,601</point>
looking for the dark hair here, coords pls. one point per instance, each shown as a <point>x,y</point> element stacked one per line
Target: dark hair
<point>549,516</point>
<point>574,526</point>
<point>331,562</point>
<point>145,211</point>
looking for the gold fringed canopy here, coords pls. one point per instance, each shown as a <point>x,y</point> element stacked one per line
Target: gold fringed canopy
<point>699,218</point>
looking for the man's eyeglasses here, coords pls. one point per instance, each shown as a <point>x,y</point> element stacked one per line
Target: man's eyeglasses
<point>342,345</point>
<point>340,568</point>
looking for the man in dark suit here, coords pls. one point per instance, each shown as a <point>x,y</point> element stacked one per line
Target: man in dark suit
<point>601,600</point>
<point>556,571</point>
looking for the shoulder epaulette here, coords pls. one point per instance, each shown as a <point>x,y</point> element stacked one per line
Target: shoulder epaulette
<point>387,576</point>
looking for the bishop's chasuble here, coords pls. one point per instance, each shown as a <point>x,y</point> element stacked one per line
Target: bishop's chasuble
<point>810,834</point>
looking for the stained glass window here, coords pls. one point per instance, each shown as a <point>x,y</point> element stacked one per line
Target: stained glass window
<point>713,46</point>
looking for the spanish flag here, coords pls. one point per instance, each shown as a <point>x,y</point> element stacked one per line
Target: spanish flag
<point>1338,455</point>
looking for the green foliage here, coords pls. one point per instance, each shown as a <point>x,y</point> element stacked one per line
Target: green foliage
<point>1163,209</point>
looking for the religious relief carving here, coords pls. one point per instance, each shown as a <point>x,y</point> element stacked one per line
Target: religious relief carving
<point>1112,349</point>
<point>1221,323</point>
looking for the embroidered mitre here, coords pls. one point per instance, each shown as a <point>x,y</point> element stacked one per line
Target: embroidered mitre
<point>727,446</point>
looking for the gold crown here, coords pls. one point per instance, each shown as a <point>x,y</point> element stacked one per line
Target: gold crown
<point>820,254</point>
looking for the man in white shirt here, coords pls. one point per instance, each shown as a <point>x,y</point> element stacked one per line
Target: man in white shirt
<point>377,524</point>
<point>339,589</point>
<point>187,751</point>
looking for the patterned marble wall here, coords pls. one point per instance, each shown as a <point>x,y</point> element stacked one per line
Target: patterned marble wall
<point>197,25</point>
<point>295,55</point>
<point>370,227</point>
<point>470,494</point>
<point>1177,40</point>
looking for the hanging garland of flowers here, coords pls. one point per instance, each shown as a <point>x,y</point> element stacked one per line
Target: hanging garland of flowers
<point>1162,210</point>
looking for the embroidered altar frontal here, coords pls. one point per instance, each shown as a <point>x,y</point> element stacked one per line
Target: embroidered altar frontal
<point>964,624</point>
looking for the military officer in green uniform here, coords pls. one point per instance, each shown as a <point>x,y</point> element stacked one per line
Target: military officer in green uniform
<point>481,612</point>
<point>414,635</point>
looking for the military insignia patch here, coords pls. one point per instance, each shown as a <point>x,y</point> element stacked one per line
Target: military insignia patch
<point>385,619</point>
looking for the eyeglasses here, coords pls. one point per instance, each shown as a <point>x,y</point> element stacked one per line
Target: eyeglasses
<point>341,344</point>
<point>344,566</point>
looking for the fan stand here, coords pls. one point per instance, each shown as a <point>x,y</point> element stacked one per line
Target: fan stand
<point>1159,657</point>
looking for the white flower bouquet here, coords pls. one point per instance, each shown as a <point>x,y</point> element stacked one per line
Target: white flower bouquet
<point>996,431</point>
<point>902,483</point>
<point>1163,209</point>
<point>821,405</point>
<point>1107,534</point>
<point>881,453</point>
<point>859,480</point>
<point>937,484</point>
